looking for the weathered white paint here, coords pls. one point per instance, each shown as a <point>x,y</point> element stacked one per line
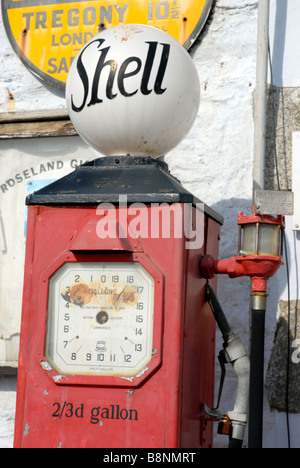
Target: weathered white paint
<point>214,161</point>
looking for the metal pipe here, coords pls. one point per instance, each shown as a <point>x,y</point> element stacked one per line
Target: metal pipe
<point>256,393</point>
<point>261,94</point>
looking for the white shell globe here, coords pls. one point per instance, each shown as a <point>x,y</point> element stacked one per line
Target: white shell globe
<point>133,89</point>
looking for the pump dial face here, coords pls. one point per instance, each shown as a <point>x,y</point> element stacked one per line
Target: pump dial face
<point>100,318</point>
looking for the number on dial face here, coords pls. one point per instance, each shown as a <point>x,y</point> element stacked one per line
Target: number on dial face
<point>100,319</point>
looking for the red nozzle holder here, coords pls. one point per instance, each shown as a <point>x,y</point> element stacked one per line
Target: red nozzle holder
<point>258,267</point>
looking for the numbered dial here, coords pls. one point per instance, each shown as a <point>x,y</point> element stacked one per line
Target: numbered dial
<point>100,319</point>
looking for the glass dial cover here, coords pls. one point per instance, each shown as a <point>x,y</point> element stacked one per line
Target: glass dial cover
<point>100,318</point>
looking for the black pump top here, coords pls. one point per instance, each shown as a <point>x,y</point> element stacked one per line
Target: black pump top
<point>142,179</point>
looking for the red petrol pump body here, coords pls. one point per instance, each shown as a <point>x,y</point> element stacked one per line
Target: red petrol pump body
<point>117,341</point>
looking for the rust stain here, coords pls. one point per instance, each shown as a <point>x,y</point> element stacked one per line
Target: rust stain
<point>127,32</point>
<point>107,296</point>
<point>101,27</point>
<point>23,41</point>
<point>184,34</point>
<point>10,104</point>
<point>78,294</point>
<point>127,297</point>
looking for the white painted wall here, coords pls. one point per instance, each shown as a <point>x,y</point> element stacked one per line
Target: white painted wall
<point>214,161</point>
<point>27,91</point>
<point>284,38</point>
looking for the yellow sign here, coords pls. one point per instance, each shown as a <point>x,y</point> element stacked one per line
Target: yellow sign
<point>47,34</point>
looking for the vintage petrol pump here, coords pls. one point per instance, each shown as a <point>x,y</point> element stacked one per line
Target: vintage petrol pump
<point>117,341</point>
